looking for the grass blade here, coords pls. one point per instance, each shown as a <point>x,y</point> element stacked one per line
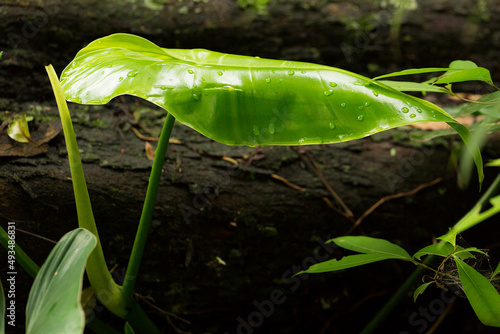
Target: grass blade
<point>482,295</point>
<point>370,245</point>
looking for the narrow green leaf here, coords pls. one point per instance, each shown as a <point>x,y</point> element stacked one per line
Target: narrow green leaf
<point>421,288</point>
<point>468,251</point>
<point>412,71</point>
<point>347,262</point>
<point>475,216</point>
<point>441,249</point>
<point>482,295</point>
<point>408,86</point>
<point>479,74</point>
<point>19,130</point>
<point>370,245</point>
<point>488,105</point>
<point>493,163</point>
<point>54,300</point>
<point>1,54</point>
<point>472,147</point>
<point>2,309</point>
<point>497,270</point>
<point>128,329</point>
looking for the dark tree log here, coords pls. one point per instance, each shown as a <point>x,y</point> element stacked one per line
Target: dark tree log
<point>225,235</point>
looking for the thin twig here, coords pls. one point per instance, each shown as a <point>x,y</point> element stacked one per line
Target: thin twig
<point>330,204</point>
<point>312,165</point>
<point>288,183</point>
<point>390,197</point>
<point>36,235</point>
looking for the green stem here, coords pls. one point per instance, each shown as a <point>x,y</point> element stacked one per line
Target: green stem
<point>147,211</point>
<point>99,276</point>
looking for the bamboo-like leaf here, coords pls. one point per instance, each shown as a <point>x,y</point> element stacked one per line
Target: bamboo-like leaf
<point>346,262</point>
<point>19,130</point>
<point>441,249</point>
<point>493,163</point>
<point>474,217</point>
<point>462,70</point>
<point>421,288</point>
<point>488,105</point>
<point>497,271</point>
<point>482,295</point>
<point>370,245</point>
<point>408,86</point>
<point>468,251</point>
<point>54,300</point>
<point>413,71</point>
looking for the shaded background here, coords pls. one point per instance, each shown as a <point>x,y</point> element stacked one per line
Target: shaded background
<point>225,237</point>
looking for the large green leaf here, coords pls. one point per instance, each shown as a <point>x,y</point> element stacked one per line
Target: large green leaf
<point>482,295</point>
<point>347,262</point>
<point>370,245</point>
<point>54,300</point>
<point>246,100</point>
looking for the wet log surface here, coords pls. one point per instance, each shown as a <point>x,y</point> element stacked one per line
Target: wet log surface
<point>226,236</point>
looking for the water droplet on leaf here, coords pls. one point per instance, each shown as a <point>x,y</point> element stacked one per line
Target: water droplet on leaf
<point>405,110</point>
<point>120,79</point>
<point>331,125</point>
<point>413,115</point>
<point>256,130</point>
<point>268,80</point>
<point>291,72</point>
<point>190,71</point>
<point>333,84</point>
<point>271,128</point>
<point>219,73</point>
<point>196,97</point>
<point>361,118</point>
<point>419,110</point>
<point>163,87</point>
<point>328,92</point>
<point>132,74</point>
<point>375,93</point>
<point>342,104</point>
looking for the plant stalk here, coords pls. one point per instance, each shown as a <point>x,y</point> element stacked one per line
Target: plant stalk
<point>147,210</point>
<point>99,276</point>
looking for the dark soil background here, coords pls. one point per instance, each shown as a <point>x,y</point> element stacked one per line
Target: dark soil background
<point>226,238</point>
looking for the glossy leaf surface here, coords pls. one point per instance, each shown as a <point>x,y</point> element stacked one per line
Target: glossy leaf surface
<point>482,295</point>
<point>54,300</point>
<point>247,100</point>
<point>370,245</point>
<point>242,100</point>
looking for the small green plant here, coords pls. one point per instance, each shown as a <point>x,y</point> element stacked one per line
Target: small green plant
<point>239,100</point>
